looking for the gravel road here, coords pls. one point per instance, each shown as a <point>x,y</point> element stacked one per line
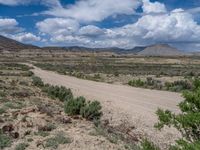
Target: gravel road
<point>122,103</point>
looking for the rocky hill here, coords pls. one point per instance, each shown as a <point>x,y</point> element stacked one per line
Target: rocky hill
<point>160,50</point>
<point>11,45</point>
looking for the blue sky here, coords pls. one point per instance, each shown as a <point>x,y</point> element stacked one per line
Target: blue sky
<point>102,23</point>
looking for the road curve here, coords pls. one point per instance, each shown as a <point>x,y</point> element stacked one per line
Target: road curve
<point>121,101</point>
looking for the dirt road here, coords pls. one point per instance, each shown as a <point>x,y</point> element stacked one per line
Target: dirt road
<point>122,102</point>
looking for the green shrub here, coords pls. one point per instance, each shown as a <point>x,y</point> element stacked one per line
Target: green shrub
<point>26,74</point>
<point>30,73</point>
<point>136,83</point>
<point>187,122</point>
<point>61,71</point>
<point>37,81</point>
<point>196,83</point>
<point>91,111</point>
<point>62,93</point>
<point>21,146</point>
<point>178,86</point>
<point>79,106</point>
<point>5,141</point>
<point>25,83</point>
<point>73,106</point>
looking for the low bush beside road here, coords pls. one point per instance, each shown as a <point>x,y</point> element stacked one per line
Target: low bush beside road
<point>90,110</point>
<point>176,86</point>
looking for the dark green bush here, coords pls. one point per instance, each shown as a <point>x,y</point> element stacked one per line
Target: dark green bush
<point>149,83</point>
<point>178,86</point>
<point>61,71</point>
<point>187,122</point>
<point>73,106</point>
<point>62,93</point>
<point>196,83</point>
<point>136,83</point>
<point>37,81</point>
<point>79,106</point>
<point>91,111</point>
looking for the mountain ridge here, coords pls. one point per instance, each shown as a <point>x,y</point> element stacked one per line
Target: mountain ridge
<point>152,50</point>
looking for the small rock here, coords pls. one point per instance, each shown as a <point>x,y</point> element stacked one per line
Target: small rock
<point>45,128</point>
<point>106,122</point>
<point>65,120</point>
<point>7,128</point>
<point>76,117</point>
<point>14,135</point>
<point>1,120</point>
<point>39,143</point>
<point>27,133</point>
<point>29,124</point>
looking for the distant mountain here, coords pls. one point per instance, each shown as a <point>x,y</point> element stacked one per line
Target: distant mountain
<point>153,50</point>
<point>137,49</point>
<point>109,49</point>
<point>160,50</point>
<point>195,53</point>
<point>79,48</point>
<point>12,45</point>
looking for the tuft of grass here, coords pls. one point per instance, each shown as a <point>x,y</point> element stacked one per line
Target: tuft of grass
<point>30,140</point>
<point>55,141</point>
<point>2,94</point>
<point>2,110</point>
<point>146,145</point>
<point>13,105</point>
<point>113,138</point>
<point>42,133</point>
<point>51,126</point>
<point>21,146</point>
<point>5,141</point>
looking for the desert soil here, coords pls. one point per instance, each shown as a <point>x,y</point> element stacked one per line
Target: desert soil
<point>122,103</point>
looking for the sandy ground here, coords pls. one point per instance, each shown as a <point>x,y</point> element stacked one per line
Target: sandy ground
<point>122,103</point>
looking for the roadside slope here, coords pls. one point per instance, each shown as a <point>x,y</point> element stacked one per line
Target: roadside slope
<point>122,103</point>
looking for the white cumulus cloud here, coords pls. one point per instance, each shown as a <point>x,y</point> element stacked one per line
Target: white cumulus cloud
<point>156,7</point>
<point>94,10</point>
<point>74,25</point>
<point>26,37</point>
<point>91,30</point>
<point>58,26</point>
<point>8,25</point>
<point>15,2</point>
